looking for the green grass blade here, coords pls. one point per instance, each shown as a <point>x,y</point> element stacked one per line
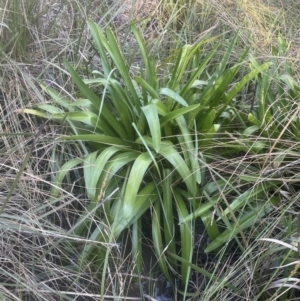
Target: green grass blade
<point>160,106</point>
<point>214,95</point>
<point>99,39</point>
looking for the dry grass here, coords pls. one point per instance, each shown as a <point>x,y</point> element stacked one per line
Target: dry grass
<point>57,29</point>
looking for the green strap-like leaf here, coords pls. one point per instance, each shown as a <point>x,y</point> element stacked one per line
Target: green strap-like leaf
<point>160,106</point>
<point>34,112</point>
<point>57,97</point>
<point>169,152</point>
<point>109,122</point>
<point>247,197</point>
<point>207,138</point>
<point>118,162</point>
<point>194,78</point>
<point>201,210</point>
<point>147,196</point>
<point>103,139</point>
<point>149,64</point>
<point>254,120</point>
<point>135,179</point>
<point>207,121</point>
<point>151,114</point>
<point>113,49</point>
<point>216,91</point>
<point>158,241</point>
<point>119,61</point>
<point>189,148</point>
<point>120,99</point>
<point>173,95</point>
<point>168,213</point>
<point>62,173</point>
<point>180,67</point>
<point>237,87</point>
<point>93,167</point>
<point>177,113</point>
<point>146,87</point>
<point>245,221</point>
<point>187,238</point>
<point>50,109</point>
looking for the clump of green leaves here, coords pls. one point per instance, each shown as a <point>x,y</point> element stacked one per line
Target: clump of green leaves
<point>152,141</point>
<point>273,136</point>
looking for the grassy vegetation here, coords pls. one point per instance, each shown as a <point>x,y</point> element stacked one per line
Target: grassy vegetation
<point>149,150</point>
